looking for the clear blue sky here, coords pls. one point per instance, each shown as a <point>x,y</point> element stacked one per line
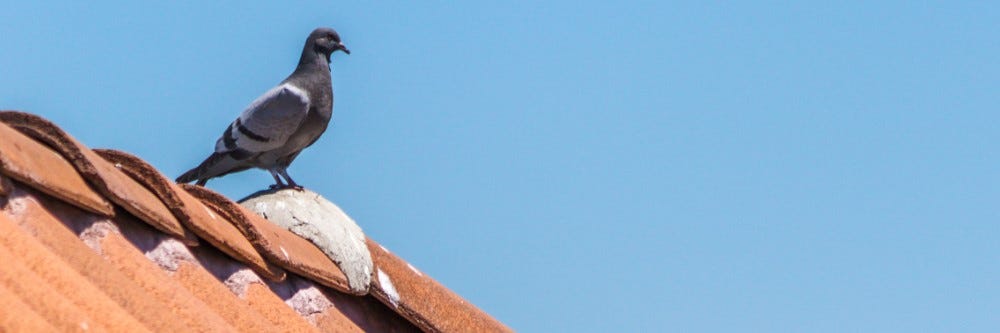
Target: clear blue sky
<point>574,166</point>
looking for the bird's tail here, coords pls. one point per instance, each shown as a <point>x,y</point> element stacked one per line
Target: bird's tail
<point>216,165</point>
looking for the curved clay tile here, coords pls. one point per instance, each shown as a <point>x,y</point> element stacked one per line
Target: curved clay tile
<point>278,245</point>
<point>106,179</point>
<point>424,301</point>
<point>193,214</point>
<point>35,164</point>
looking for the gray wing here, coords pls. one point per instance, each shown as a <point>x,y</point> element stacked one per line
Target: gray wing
<point>267,123</point>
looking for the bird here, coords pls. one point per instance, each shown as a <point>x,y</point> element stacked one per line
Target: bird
<point>271,132</point>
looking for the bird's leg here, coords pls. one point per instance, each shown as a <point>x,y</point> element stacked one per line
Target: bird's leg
<point>277,180</point>
<point>291,183</point>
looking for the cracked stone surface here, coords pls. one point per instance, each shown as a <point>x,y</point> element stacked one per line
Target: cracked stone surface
<point>309,215</point>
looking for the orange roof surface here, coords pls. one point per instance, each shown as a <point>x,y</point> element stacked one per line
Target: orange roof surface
<point>100,241</point>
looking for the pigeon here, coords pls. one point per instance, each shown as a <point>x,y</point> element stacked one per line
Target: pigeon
<point>279,124</point>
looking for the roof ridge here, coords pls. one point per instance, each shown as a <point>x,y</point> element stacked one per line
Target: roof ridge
<point>193,213</point>
<point>37,153</point>
<point>100,174</point>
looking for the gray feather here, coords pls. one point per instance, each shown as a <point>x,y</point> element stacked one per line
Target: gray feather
<point>268,122</point>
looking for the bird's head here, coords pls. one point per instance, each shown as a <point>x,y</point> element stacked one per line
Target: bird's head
<point>326,41</point>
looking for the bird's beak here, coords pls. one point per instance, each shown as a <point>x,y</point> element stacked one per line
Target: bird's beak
<point>343,48</point>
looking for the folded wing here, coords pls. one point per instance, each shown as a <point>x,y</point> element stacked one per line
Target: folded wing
<point>267,123</point>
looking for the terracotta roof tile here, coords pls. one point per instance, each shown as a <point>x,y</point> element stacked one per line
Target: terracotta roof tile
<point>248,288</point>
<point>34,214</point>
<point>44,271</point>
<point>30,162</point>
<point>366,312</point>
<point>219,298</point>
<point>18,316</point>
<point>193,214</point>
<point>77,262</point>
<point>333,311</point>
<point>279,245</point>
<point>424,301</point>
<point>183,303</point>
<point>268,305</point>
<point>105,178</point>
<point>59,312</point>
<point>43,298</point>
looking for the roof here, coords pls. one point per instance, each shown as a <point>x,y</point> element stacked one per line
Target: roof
<point>99,240</point>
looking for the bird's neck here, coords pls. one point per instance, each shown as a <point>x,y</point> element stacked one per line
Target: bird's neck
<point>311,60</point>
